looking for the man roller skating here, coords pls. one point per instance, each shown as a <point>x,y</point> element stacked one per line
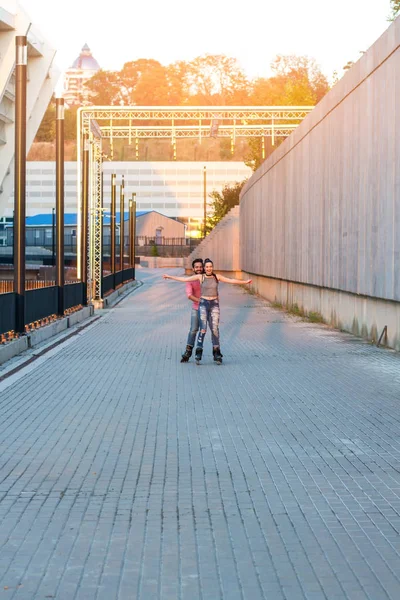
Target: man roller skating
<point>193,294</point>
<point>208,312</point>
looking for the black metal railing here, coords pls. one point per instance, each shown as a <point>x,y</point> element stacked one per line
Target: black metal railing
<point>7,312</point>
<point>73,295</point>
<point>107,284</point>
<point>119,279</point>
<point>127,274</point>
<point>40,304</point>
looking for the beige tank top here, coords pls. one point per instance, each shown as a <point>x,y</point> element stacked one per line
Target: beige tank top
<point>209,287</point>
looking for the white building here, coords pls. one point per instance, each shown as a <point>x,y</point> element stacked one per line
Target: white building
<point>42,78</point>
<point>174,189</point>
<point>83,68</point>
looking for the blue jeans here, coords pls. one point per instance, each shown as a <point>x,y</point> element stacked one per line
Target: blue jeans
<point>194,327</point>
<point>208,313</point>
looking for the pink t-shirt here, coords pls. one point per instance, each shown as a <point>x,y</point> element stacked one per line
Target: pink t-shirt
<point>193,288</point>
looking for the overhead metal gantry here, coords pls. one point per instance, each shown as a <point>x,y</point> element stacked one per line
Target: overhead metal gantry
<point>135,123</point>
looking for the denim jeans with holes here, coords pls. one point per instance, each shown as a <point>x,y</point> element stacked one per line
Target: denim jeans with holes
<point>208,313</point>
<point>194,327</point>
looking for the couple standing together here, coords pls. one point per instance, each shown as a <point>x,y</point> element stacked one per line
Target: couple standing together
<point>202,290</point>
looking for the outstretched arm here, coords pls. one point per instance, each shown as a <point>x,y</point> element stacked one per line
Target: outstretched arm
<point>175,278</point>
<point>233,281</point>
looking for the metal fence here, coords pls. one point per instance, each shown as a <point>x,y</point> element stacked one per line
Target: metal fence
<point>40,303</point>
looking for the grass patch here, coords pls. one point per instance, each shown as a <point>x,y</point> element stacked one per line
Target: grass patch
<point>315,317</point>
<point>277,305</point>
<point>294,309</point>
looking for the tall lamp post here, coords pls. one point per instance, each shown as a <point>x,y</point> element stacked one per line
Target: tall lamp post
<point>204,200</point>
<point>60,279</point>
<point>53,237</point>
<point>112,224</point>
<point>132,232</point>
<point>21,62</point>
<point>121,225</point>
<point>85,218</point>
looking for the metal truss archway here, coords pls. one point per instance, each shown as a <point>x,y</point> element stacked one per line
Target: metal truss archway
<point>95,123</point>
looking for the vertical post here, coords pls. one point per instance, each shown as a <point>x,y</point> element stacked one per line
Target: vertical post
<point>85,216</point>
<point>134,234</point>
<point>121,226</point>
<point>102,234</point>
<point>21,62</point>
<point>204,200</point>
<point>132,231</point>
<point>112,224</point>
<point>53,237</point>
<point>60,279</point>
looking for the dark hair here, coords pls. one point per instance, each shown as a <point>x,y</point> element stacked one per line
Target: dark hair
<point>196,260</point>
<point>208,260</point>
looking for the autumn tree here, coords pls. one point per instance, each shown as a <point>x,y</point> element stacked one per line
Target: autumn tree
<point>144,82</point>
<point>222,202</point>
<point>105,88</point>
<point>394,9</point>
<point>216,80</point>
<point>47,128</point>
<point>295,81</point>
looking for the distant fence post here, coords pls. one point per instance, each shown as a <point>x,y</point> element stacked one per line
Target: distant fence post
<point>21,61</point>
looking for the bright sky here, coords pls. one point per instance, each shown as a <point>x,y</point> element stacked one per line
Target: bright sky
<point>253,32</point>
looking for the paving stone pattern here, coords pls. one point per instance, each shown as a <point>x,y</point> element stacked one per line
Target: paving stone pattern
<point>127,475</point>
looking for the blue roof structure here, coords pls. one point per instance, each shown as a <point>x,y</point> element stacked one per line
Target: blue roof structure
<point>70,219</point>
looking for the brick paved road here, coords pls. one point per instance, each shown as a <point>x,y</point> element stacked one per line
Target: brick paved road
<point>127,475</point>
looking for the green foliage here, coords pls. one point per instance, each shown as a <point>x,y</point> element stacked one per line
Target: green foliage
<point>206,80</point>
<point>70,123</point>
<point>276,304</point>
<point>296,310</point>
<point>222,202</point>
<point>395,9</point>
<point>47,128</point>
<point>154,250</point>
<point>296,81</point>
<point>315,317</point>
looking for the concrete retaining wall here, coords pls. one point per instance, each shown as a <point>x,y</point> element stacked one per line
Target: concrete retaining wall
<point>363,316</point>
<point>221,245</point>
<point>324,209</point>
<point>161,262</point>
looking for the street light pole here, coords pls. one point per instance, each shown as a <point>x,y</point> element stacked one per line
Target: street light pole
<point>112,223</point>
<point>21,62</point>
<point>132,232</point>
<point>85,217</point>
<point>121,226</point>
<point>60,279</point>
<point>53,237</point>
<point>204,200</point>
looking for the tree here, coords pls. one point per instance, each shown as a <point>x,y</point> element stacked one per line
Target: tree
<point>295,81</point>
<point>47,128</point>
<point>222,202</point>
<point>395,9</point>
<point>215,80</point>
<point>255,158</point>
<point>105,88</point>
<point>144,82</point>
<point>70,123</point>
